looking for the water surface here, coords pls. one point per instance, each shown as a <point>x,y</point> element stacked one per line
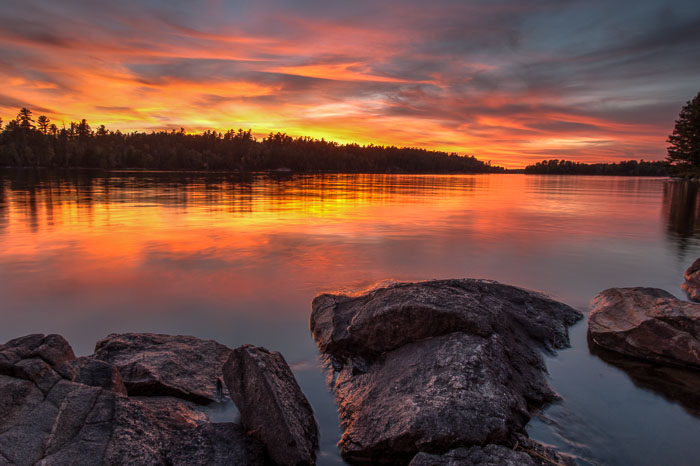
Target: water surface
<point>238,259</point>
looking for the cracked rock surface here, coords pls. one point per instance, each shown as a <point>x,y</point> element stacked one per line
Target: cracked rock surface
<point>431,367</point>
<point>273,407</point>
<point>59,409</point>
<point>173,365</point>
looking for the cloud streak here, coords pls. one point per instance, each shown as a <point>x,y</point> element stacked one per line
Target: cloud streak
<point>508,81</point>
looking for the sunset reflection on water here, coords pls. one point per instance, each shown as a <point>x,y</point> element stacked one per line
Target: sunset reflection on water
<point>239,258</point>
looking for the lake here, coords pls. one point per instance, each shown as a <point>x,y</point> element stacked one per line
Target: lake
<point>239,258</point>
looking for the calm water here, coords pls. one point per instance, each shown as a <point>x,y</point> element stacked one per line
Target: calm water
<point>239,260</point>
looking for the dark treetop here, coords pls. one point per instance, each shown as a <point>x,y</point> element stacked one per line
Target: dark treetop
<point>684,148</point>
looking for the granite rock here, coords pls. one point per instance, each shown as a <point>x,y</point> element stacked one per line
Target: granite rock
<point>647,323</point>
<point>435,366</point>
<point>272,406</point>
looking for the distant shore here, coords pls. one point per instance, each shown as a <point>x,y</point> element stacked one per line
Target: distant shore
<point>289,172</point>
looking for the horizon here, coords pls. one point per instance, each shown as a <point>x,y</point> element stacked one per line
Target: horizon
<point>511,83</point>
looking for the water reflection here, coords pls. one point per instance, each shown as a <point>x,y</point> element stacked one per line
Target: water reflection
<point>239,258</point>
<point>682,211</point>
<point>675,384</point>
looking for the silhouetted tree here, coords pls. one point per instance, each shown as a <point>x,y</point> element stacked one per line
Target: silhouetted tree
<point>625,168</point>
<point>684,149</point>
<point>43,123</point>
<point>24,118</point>
<point>75,146</point>
<point>83,129</point>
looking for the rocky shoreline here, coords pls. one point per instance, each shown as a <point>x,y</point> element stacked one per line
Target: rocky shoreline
<point>141,399</point>
<point>443,372</point>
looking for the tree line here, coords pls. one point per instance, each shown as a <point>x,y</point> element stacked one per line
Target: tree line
<point>28,143</point>
<point>625,168</point>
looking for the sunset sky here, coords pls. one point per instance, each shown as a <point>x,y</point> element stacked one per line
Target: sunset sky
<point>508,81</point>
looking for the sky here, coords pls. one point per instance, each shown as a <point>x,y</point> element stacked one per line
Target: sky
<point>512,82</point>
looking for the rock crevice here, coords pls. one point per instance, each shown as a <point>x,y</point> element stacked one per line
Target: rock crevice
<point>59,409</point>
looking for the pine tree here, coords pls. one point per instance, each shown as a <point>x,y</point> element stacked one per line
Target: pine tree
<point>24,118</point>
<point>684,149</point>
<point>43,123</point>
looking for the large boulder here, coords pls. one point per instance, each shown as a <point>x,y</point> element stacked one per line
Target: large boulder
<point>272,406</point>
<point>435,366</point>
<point>58,409</point>
<point>692,281</point>
<point>168,365</point>
<point>647,323</point>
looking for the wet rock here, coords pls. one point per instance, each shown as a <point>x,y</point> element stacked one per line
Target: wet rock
<point>434,366</point>
<point>543,455</point>
<point>73,411</point>
<point>272,406</point>
<point>647,323</point>
<point>490,455</point>
<point>167,365</point>
<point>692,281</point>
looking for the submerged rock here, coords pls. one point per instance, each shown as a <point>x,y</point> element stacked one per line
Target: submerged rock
<point>168,365</point>
<point>692,281</point>
<point>434,366</point>
<point>272,406</point>
<point>647,323</point>
<point>58,409</point>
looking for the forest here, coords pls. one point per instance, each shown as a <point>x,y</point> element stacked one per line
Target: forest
<point>625,168</point>
<point>25,142</point>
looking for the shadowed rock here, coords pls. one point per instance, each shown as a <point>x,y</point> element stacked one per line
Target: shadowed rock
<point>93,372</point>
<point>692,281</point>
<point>647,323</point>
<point>58,410</point>
<point>272,406</point>
<point>439,365</point>
<point>169,365</point>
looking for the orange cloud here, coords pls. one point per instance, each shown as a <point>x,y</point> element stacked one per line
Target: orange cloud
<point>476,79</point>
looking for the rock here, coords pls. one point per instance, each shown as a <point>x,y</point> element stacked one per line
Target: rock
<point>166,365</point>
<point>272,406</point>
<point>173,432</point>
<point>93,372</point>
<point>435,366</point>
<point>52,349</point>
<point>57,410</point>
<point>647,323</point>
<point>490,455</point>
<point>692,281</point>
<point>389,317</point>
